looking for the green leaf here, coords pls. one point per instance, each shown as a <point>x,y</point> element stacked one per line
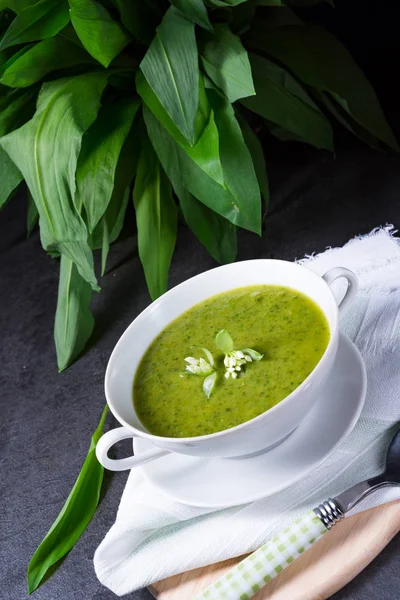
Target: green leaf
<point>16,5</point>
<point>138,18</point>
<point>254,146</point>
<point>11,59</point>
<point>10,178</point>
<point>98,159</point>
<point>32,215</point>
<point>105,247</point>
<point>216,234</point>
<point>254,355</point>
<point>205,152</point>
<point>282,100</point>
<point>46,56</point>
<point>113,218</point>
<point>227,64</point>
<point>73,517</point>
<point>156,218</point>
<point>181,170</point>
<point>116,209</point>
<point>346,120</point>
<point>223,341</point>
<point>115,215</point>
<point>320,61</point>
<point>239,174</point>
<point>15,108</point>
<point>74,322</point>
<point>209,384</point>
<point>171,68</point>
<point>242,17</point>
<point>113,221</point>
<point>46,150</point>
<point>208,355</point>
<point>102,37</point>
<point>195,11</point>
<point>37,22</point>
<point>223,3</point>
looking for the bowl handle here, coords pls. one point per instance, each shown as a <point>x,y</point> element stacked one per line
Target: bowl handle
<point>122,464</point>
<point>352,288</point>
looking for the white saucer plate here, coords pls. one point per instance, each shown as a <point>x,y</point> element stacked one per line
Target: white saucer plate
<point>223,482</point>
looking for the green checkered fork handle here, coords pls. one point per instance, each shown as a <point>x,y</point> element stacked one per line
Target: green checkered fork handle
<point>255,571</point>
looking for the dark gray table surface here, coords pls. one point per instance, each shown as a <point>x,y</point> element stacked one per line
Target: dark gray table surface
<point>47,418</point>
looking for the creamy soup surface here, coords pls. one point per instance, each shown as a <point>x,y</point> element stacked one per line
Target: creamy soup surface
<point>287,327</point>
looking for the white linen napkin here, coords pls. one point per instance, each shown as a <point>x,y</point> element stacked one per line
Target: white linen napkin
<point>154,537</point>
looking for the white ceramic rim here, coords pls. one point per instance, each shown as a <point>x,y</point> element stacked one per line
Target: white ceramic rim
<point>176,290</point>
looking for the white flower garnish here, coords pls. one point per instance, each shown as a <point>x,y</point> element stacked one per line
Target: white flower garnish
<point>234,359</point>
<point>205,368</point>
<point>198,366</point>
<point>209,384</point>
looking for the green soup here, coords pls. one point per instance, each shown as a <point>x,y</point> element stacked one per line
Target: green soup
<point>285,326</point>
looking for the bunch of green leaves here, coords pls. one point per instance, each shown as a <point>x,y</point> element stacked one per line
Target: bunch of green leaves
<point>107,101</point>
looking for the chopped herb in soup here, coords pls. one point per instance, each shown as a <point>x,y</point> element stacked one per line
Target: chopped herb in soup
<point>284,329</point>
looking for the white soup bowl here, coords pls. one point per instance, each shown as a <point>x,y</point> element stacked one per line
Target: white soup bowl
<point>264,431</point>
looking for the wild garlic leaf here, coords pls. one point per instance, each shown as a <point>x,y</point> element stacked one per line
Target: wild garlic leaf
<point>46,150</point>
<point>281,99</point>
<point>223,3</point>
<point>208,355</point>
<point>182,171</point>
<point>257,154</point>
<point>170,67</point>
<point>242,17</point>
<point>156,218</point>
<point>15,108</point>
<point>195,11</point>
<point>32,215</point>
<point>102,37</point>
<point>99,155</point>
<point>74,516</point>
<point>205,151</point>
<point>6,60</point>
<point>254,355</point>
<point>215,232</point>
<point>317,58</point>
<point>227,64</point>
<point>209,384</point>
<point>239,174</point>
<point>39,21</point>
<point>114,216</point>
<point>16,5</point>
<point>43,58</point>
<point>224,341</point>
<point>74,322</point>
<point>138,18</point>
<point>11,177</point>
<point>345,119</point>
